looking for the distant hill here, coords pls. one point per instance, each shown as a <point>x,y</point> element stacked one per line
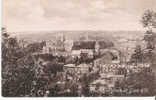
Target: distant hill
<point>75,35</point>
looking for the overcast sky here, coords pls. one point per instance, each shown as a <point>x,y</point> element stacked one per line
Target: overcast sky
<point>36,15</point>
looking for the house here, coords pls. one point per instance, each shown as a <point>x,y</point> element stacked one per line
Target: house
<point>84,68</point>
<point>101,85</point>
<point>106,81</point>
<point>98,85</point>
<point>72,68</point>
<point>71,71</point>
<point>90,47</point>
<point>74,72</point>
<point>83,47</point>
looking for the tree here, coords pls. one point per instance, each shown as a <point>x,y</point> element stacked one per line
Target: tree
<point>149,22</point>
<point>23,43</point>
<point>85,85</point>
<point>137,56</point>
<point>35,47</point>
<point>142,82</point>
<point>17,70</point>
<point>149,19</point>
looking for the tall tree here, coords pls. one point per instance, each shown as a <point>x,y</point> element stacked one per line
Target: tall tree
<point>149,22</point>
<point>149,19</point>
<point>143,81</point>
<point>17,76</point>
<point>137,56</point>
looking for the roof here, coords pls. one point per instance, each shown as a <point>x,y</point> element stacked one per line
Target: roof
<point>69,65</point>
<point>46,57</point>
<point>77,45</point>
<point>83,66</point>
<point>115,76</point>
<point>99,81</point>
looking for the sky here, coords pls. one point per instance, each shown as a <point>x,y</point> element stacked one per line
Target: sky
<point>46,15</point>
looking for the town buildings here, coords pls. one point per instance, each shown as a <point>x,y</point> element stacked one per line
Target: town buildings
<point>83,47</point>
<point>106,62</point>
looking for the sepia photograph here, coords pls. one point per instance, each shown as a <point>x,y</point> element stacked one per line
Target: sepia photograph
<point>78,48</point>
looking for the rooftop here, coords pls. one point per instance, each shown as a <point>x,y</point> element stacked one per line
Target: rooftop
<point>77,45</point>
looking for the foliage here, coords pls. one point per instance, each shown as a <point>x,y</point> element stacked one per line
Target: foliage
<point>143,80</point>
<point>86,80</point>
<point>35,47</point>
<point>149,22</point>
<point>149,19</point>
<point>22,76</point>
<point>85,86</point>
<point>18,68</point>
<point>137,56</point>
